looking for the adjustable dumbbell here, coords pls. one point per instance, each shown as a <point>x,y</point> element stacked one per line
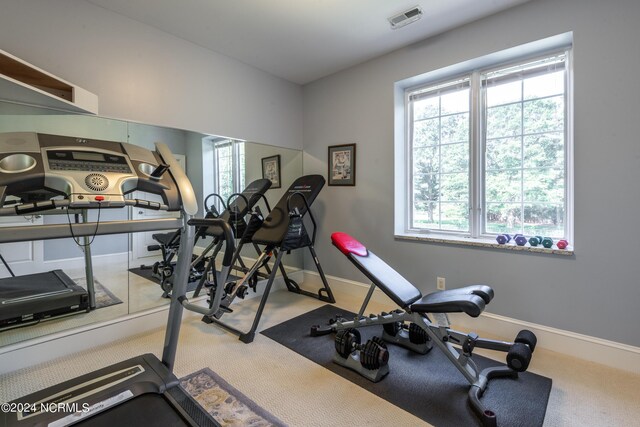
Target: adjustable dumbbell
<point>373,354</point>
<point>416,334</point>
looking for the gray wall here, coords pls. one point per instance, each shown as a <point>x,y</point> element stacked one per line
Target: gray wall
<point>143,74</point>
<point>596,293</point>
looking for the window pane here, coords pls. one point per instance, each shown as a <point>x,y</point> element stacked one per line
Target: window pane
<point>454,187</point>
<point>426,188</point>
<point>455,102</point>
<point>544,115</point>
<point>455,128</point>
<point>545,220</point>
<point>544,185</point>
<point>504,218</point>
<point>455,158</point>
<point>426,132</point>
<point>504,93</point>
<point>426,108</point>
<point>544,150</point>
<point>454,216</point>
<point>503,153</point>
<point>503,186</point>
<point>545,85</point>
<point>504,121</point>
<point>425,160</point>
<point>426,216</point>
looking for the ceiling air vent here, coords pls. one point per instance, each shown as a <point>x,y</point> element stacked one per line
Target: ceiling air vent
<point>405,18</point>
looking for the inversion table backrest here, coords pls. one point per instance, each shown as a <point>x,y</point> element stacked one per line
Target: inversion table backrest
<point>276,225</point>
<point>379,272</point>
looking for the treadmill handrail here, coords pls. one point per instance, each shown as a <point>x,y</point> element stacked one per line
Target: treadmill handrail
<point>49,205</point>
<point>187,195</point>
<point>227,231</point>
<point>61,231</point>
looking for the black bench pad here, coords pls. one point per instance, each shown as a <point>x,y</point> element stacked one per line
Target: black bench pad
<point>469,300</point>
<point>166,239</point>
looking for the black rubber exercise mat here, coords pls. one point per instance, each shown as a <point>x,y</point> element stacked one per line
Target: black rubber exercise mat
<point>428,386</point>
<point>191,286</point>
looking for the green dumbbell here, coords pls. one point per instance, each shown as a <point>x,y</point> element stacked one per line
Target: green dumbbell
<point>547,242</point>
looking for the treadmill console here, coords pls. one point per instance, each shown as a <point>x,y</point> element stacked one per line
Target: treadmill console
<point>89,173</point>
<point>88,161</point>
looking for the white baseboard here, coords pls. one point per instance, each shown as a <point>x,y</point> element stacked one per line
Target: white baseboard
<point>78,262</point>
<point>608,353</point>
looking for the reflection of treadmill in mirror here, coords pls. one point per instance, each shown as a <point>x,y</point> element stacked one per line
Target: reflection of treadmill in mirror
<point>34,168</point>
<point>32,298</point>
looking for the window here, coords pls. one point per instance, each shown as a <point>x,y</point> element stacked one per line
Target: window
<point>524,148</point>
<point>229,166</point>
<point>440,130</point>
<point>487,150</point>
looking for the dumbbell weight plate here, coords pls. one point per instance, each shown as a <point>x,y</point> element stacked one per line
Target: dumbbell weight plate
<point>345,340</point>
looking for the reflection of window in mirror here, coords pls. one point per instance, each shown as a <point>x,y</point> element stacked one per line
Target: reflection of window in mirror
<point>228,167</point>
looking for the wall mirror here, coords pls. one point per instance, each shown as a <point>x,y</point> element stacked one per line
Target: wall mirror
<point>122,265</point>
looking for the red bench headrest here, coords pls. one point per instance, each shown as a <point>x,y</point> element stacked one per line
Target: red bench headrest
<point>347,244</point>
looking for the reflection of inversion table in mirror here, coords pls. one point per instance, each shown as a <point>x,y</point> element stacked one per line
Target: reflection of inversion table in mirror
<point>235,210</point>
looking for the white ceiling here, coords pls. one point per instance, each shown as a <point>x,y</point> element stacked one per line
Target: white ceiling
<point>301,40</point>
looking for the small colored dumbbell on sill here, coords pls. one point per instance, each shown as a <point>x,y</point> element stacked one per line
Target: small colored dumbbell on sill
<point>521,240</point>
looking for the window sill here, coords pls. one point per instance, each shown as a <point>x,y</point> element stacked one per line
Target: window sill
<point>483,243</point>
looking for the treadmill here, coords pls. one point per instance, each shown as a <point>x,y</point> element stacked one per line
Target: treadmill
<point>97,175</point>
<point>29,299</point>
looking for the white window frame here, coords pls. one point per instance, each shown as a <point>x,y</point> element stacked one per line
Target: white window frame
<point>473,69</point>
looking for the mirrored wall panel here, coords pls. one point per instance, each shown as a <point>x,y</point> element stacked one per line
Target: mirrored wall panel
<point>126,271</point>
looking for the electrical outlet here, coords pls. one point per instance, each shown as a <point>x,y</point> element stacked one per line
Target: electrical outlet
<point>440,284</point>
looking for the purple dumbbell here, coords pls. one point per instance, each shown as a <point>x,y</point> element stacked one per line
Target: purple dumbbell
<point>521,240</point>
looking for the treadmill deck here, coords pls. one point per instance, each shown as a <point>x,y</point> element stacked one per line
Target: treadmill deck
<point>39,296</point>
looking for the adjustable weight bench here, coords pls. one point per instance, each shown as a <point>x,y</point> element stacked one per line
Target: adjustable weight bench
<point>422,331</point>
